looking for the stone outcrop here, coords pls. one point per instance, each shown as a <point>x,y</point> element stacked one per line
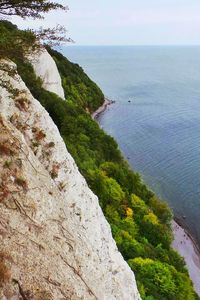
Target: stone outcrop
<point>45,68</point>
<point>54,240</point>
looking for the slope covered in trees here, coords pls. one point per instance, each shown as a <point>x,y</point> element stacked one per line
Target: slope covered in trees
<point>140,222</point>
<point>77,84</point>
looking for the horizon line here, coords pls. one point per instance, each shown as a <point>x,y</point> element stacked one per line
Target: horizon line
<point>132,45</point>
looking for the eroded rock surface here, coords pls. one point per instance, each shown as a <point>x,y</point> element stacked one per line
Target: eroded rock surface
<point>54,240</point>
<point>45,68</point>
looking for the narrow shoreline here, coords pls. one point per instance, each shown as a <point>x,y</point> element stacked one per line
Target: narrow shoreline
<point>196,245</point>
<point>184,243</point>
<point>102,108</point>
<point>187,247</point>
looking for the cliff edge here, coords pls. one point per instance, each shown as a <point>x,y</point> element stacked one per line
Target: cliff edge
<point>54,240</point>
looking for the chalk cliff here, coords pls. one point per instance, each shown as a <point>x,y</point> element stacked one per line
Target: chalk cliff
<point>45,68</point>
<point>55,242</point>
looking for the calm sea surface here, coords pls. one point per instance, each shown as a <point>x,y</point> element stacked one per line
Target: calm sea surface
<point>156,117</point>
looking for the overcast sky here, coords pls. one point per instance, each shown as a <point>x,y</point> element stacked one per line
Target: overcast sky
<point>129,22</point>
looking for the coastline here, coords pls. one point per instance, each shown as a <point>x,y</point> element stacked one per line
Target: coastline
<point>187,247</point>
<point>102,108</point>
<point>183,242</point>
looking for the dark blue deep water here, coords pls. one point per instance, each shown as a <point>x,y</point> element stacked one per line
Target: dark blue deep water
<point>159,129</point>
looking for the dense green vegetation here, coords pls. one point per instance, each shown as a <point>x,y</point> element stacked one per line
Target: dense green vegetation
<point>14,42</point>
<point>140,222</point>
<point>77,84</point>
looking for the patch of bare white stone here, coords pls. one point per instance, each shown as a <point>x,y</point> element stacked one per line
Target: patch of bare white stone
<point>54,237</point>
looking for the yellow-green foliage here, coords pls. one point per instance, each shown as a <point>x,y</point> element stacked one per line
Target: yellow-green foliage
<point>156,275</point>
<point>129,212</point>
<point>150,218</point>
<point>138,205</point>
<point>111,192</point>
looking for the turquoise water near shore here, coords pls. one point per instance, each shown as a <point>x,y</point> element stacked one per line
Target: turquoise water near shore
<point>156,117</point>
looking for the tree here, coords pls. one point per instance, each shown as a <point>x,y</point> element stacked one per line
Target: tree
<point>28,8</point>
<point>36,9</point>
<point>161,280</point>
<point>14,42</point>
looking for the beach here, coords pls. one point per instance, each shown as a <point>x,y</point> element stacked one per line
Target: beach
<point>183,243</point>
<point>102,108</point>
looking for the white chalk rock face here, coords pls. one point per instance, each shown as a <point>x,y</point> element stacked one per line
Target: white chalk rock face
<point>45,68</point>
<point>55,240</point>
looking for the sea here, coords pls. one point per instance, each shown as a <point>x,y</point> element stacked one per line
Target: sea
<point>155,118</point>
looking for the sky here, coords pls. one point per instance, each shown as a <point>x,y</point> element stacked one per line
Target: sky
<point>127,22</point>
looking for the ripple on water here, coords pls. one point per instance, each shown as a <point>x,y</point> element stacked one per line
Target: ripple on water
<point>159,130</point>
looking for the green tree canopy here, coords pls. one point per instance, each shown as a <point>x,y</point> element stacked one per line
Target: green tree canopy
<point>28,8</point>
<point>155,275</point>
